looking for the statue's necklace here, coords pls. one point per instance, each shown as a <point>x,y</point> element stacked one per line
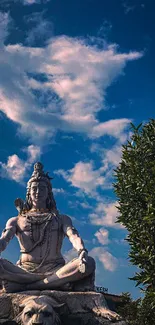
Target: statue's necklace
<point>37,233</point>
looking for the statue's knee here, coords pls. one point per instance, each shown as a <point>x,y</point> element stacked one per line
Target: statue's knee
<point>91,264</point>
<point>2,262</point>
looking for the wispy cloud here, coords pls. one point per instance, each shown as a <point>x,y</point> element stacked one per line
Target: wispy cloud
<point>4,22</point>
<point>58,191</point>
<point>105,215</point>
<point>40,29</point>
<point>128,7</point>
<point>87,178</point>
<point>108,261</point>
<point>110,158</point>
<point>113,128</point>
<point>103,236</point>
<point>16,168</point>
<point>83,176</point>
<point>105,29</point>
<point>31,2</point>
<point>75,77</point>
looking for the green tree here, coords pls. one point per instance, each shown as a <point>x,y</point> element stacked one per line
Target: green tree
<point>135,190</point>
<point>137,312</point>
<point>146,311</point>
<point>129,309</point>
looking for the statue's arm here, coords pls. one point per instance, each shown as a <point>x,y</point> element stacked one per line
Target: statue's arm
<point>73,235</point>
<point>8,233</point>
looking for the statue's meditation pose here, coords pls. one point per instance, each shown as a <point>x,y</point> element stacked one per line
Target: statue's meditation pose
<point>40,230</point>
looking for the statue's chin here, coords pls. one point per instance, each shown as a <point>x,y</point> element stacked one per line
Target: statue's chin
<point>39,200</point>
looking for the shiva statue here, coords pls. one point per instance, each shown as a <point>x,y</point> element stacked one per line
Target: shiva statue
<point>40,230</point>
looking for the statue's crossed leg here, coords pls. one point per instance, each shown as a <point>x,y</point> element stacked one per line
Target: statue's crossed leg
<point>17,279</point>
<point>68,273</point>
<point>14,278</point>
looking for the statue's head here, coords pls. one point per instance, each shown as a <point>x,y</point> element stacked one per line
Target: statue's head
<point>39,189</point>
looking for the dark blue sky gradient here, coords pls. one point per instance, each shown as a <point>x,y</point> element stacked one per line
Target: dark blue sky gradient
<point>128,24</point>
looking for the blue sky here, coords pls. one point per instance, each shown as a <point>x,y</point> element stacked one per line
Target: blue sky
<point>73,75</point>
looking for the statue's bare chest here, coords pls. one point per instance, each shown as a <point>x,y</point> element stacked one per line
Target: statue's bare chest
<point>38,228</point>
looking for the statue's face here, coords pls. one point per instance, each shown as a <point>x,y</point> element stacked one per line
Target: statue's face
<point>39,192</point>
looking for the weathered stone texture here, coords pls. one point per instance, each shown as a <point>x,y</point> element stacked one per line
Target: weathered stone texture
<point>81,308</point>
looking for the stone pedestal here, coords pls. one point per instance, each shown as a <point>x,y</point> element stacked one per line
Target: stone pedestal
<point>80,308</point>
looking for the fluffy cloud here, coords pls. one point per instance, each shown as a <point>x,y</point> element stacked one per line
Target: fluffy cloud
<point>75,77</point>
<point>88,179</point>
<point>105,215</point>
<point>58,191</point>
<point>109,262</point>
<point>16,168</point>
<point>83,176</point>
<point>113,128</point>
<point>102,236</point>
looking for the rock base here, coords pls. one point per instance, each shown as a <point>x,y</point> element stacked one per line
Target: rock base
<point>79,308</point>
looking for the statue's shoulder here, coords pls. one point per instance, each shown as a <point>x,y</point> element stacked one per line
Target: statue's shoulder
<point>12,222</point>
<point>65,219</point>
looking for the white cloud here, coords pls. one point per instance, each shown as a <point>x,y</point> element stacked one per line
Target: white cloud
<point>105,215</point>
<point>76,77</point>
<point>88,179</point>
<point>109,262</point>
<point>33,153</point>
<point>112,156</point>
<point>113,128</point>
<point>58,191</point>
<point>16,168</point>
<point>102,236</point>
<point>83,176</point>
<point>110,159</point>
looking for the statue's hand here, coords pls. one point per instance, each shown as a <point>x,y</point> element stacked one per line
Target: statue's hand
<point>83,257</point>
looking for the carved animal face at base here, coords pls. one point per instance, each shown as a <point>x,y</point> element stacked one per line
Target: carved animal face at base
<point>39,311</point>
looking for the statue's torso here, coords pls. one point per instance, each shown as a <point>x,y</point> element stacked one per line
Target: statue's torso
<point>40,237</point>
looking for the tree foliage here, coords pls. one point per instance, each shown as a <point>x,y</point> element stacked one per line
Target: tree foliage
<point>138,312</point>
<point>129,309</point>
<point>135,189</point>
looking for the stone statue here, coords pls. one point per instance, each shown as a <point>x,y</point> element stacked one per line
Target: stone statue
<point>40,230</point>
